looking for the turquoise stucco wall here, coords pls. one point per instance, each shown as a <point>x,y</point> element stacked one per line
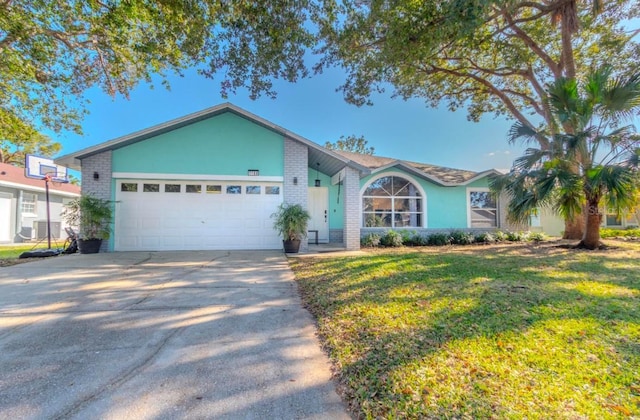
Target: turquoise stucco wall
<point>446,206</point>
<point>225,144</point>
<point>336,210</point>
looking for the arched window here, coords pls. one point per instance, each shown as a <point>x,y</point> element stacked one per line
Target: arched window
<point>392,201</point>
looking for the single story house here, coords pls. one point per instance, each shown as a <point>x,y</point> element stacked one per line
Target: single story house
<point>23,207</point>
<point>212,179</point>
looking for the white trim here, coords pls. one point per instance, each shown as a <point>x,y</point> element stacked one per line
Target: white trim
<point>480,176</point>
<point>402,175</point>
<point>479,189</point>
<point>195,177</point>
<point>37,189</point>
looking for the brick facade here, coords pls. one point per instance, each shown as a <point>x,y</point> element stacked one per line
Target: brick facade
<point>296,164</point>
<point>351,230</point>
<point>101,187</point>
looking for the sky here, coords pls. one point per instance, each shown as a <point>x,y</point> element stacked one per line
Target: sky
<point>312,108</point>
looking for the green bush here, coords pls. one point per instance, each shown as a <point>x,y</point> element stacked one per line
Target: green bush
<point>419,240</point>
<point>485,238</point>
<point>439,239</point>
<point>500,236</point>
<point>407,236</point>
<point>371,240</point>
<point>620,233</point>
<point>459,237</point>
<point>536,237</point>
<point>516,236</point>
<point>391,238</point>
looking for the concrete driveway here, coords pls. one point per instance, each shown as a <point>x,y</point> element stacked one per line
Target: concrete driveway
<point>160,335</point>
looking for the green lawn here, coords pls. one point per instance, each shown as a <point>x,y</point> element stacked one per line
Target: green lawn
<point>9,254</point>
<point>508,331</point>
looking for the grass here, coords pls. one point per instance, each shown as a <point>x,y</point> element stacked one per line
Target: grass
<point>9,254</point>
<point>509,331</point>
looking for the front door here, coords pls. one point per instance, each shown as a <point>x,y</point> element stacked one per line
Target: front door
<point>319,210</point>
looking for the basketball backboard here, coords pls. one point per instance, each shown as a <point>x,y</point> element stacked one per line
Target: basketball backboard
<point>39,167</point>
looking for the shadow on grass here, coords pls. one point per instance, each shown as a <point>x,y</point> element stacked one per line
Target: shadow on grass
<point>397,321</point>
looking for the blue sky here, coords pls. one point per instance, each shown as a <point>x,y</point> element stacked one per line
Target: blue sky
<point>313,109</point>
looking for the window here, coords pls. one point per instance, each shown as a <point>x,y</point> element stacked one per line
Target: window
<point>29,203</point>
<point>534,218</point>
<point>483,209</point>
<point>194,188</point>
<point>172,188</point>
<point>252,189</point>
<point>214,189</point>
<point>272,190</point>
<point>234,189</point>
<point>150,187</point>
<point>613,219</point>
<point>392,201</point>
<point>129,187</point>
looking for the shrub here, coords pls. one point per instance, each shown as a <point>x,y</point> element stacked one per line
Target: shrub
<point>439,239</point>
<point>391,239</point>
<point>536,236</point>
<point>459,237</point>
<point>485,238</point>
<point>370,240</point>
<point>407,236</point>
<point>419,240</point>
<point>516,236</point>
<point>500,236</point>
<point>629,232</point>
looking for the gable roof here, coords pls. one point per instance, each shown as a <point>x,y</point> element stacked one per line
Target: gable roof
<point>72,160</point>
<point>438,174</point>
<point>14,177</point>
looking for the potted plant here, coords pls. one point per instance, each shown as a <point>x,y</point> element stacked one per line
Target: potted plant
<point>92,216</point>
<point>291,221</point>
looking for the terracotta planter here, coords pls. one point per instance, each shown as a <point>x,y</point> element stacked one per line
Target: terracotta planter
<point>291,247</point>
<point>89,246</point>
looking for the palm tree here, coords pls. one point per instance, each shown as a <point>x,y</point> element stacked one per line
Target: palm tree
<point>593,165</point>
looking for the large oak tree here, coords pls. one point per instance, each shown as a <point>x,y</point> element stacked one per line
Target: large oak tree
<point>490,57</point>
<point>51,52</point>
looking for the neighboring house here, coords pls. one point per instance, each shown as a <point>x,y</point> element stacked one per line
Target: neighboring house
<point>23,207</point>
<point>551,223</point>
<point>212,179</point>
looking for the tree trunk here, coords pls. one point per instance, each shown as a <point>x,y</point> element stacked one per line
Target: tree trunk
<point>574,228</point>
<point>591,238</point>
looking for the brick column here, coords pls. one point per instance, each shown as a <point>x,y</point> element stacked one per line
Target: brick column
<point>351,202</point>
<point>296,164</point>
<point>100,188</point>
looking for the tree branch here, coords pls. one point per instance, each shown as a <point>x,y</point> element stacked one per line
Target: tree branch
<point>519,33</point>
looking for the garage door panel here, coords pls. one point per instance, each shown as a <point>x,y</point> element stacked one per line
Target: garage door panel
<point>192,221</point>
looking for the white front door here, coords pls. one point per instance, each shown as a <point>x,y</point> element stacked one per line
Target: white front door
<point>319,210</point>
<point>5,218</point>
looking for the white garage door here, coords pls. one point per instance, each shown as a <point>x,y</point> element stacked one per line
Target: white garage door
<point>192,215</point>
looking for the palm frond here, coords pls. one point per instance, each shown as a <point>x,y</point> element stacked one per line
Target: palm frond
<point>621,97</point>
<point>531,159</point>
<point>524,133</point>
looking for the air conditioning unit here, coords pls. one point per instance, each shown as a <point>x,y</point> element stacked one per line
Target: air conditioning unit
<point>41,229</point>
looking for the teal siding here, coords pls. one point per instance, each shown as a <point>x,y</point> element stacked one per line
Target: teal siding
<point>446,206</point>
<point>225,144</point>
<point>336,209</point>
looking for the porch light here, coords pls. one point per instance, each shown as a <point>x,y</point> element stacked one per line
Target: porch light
<point>317,171</point>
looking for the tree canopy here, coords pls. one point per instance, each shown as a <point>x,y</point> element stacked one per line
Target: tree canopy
<point>351,143</point>
<point>23,139</point>
<point>52,52</point>
<point>488,56</point>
